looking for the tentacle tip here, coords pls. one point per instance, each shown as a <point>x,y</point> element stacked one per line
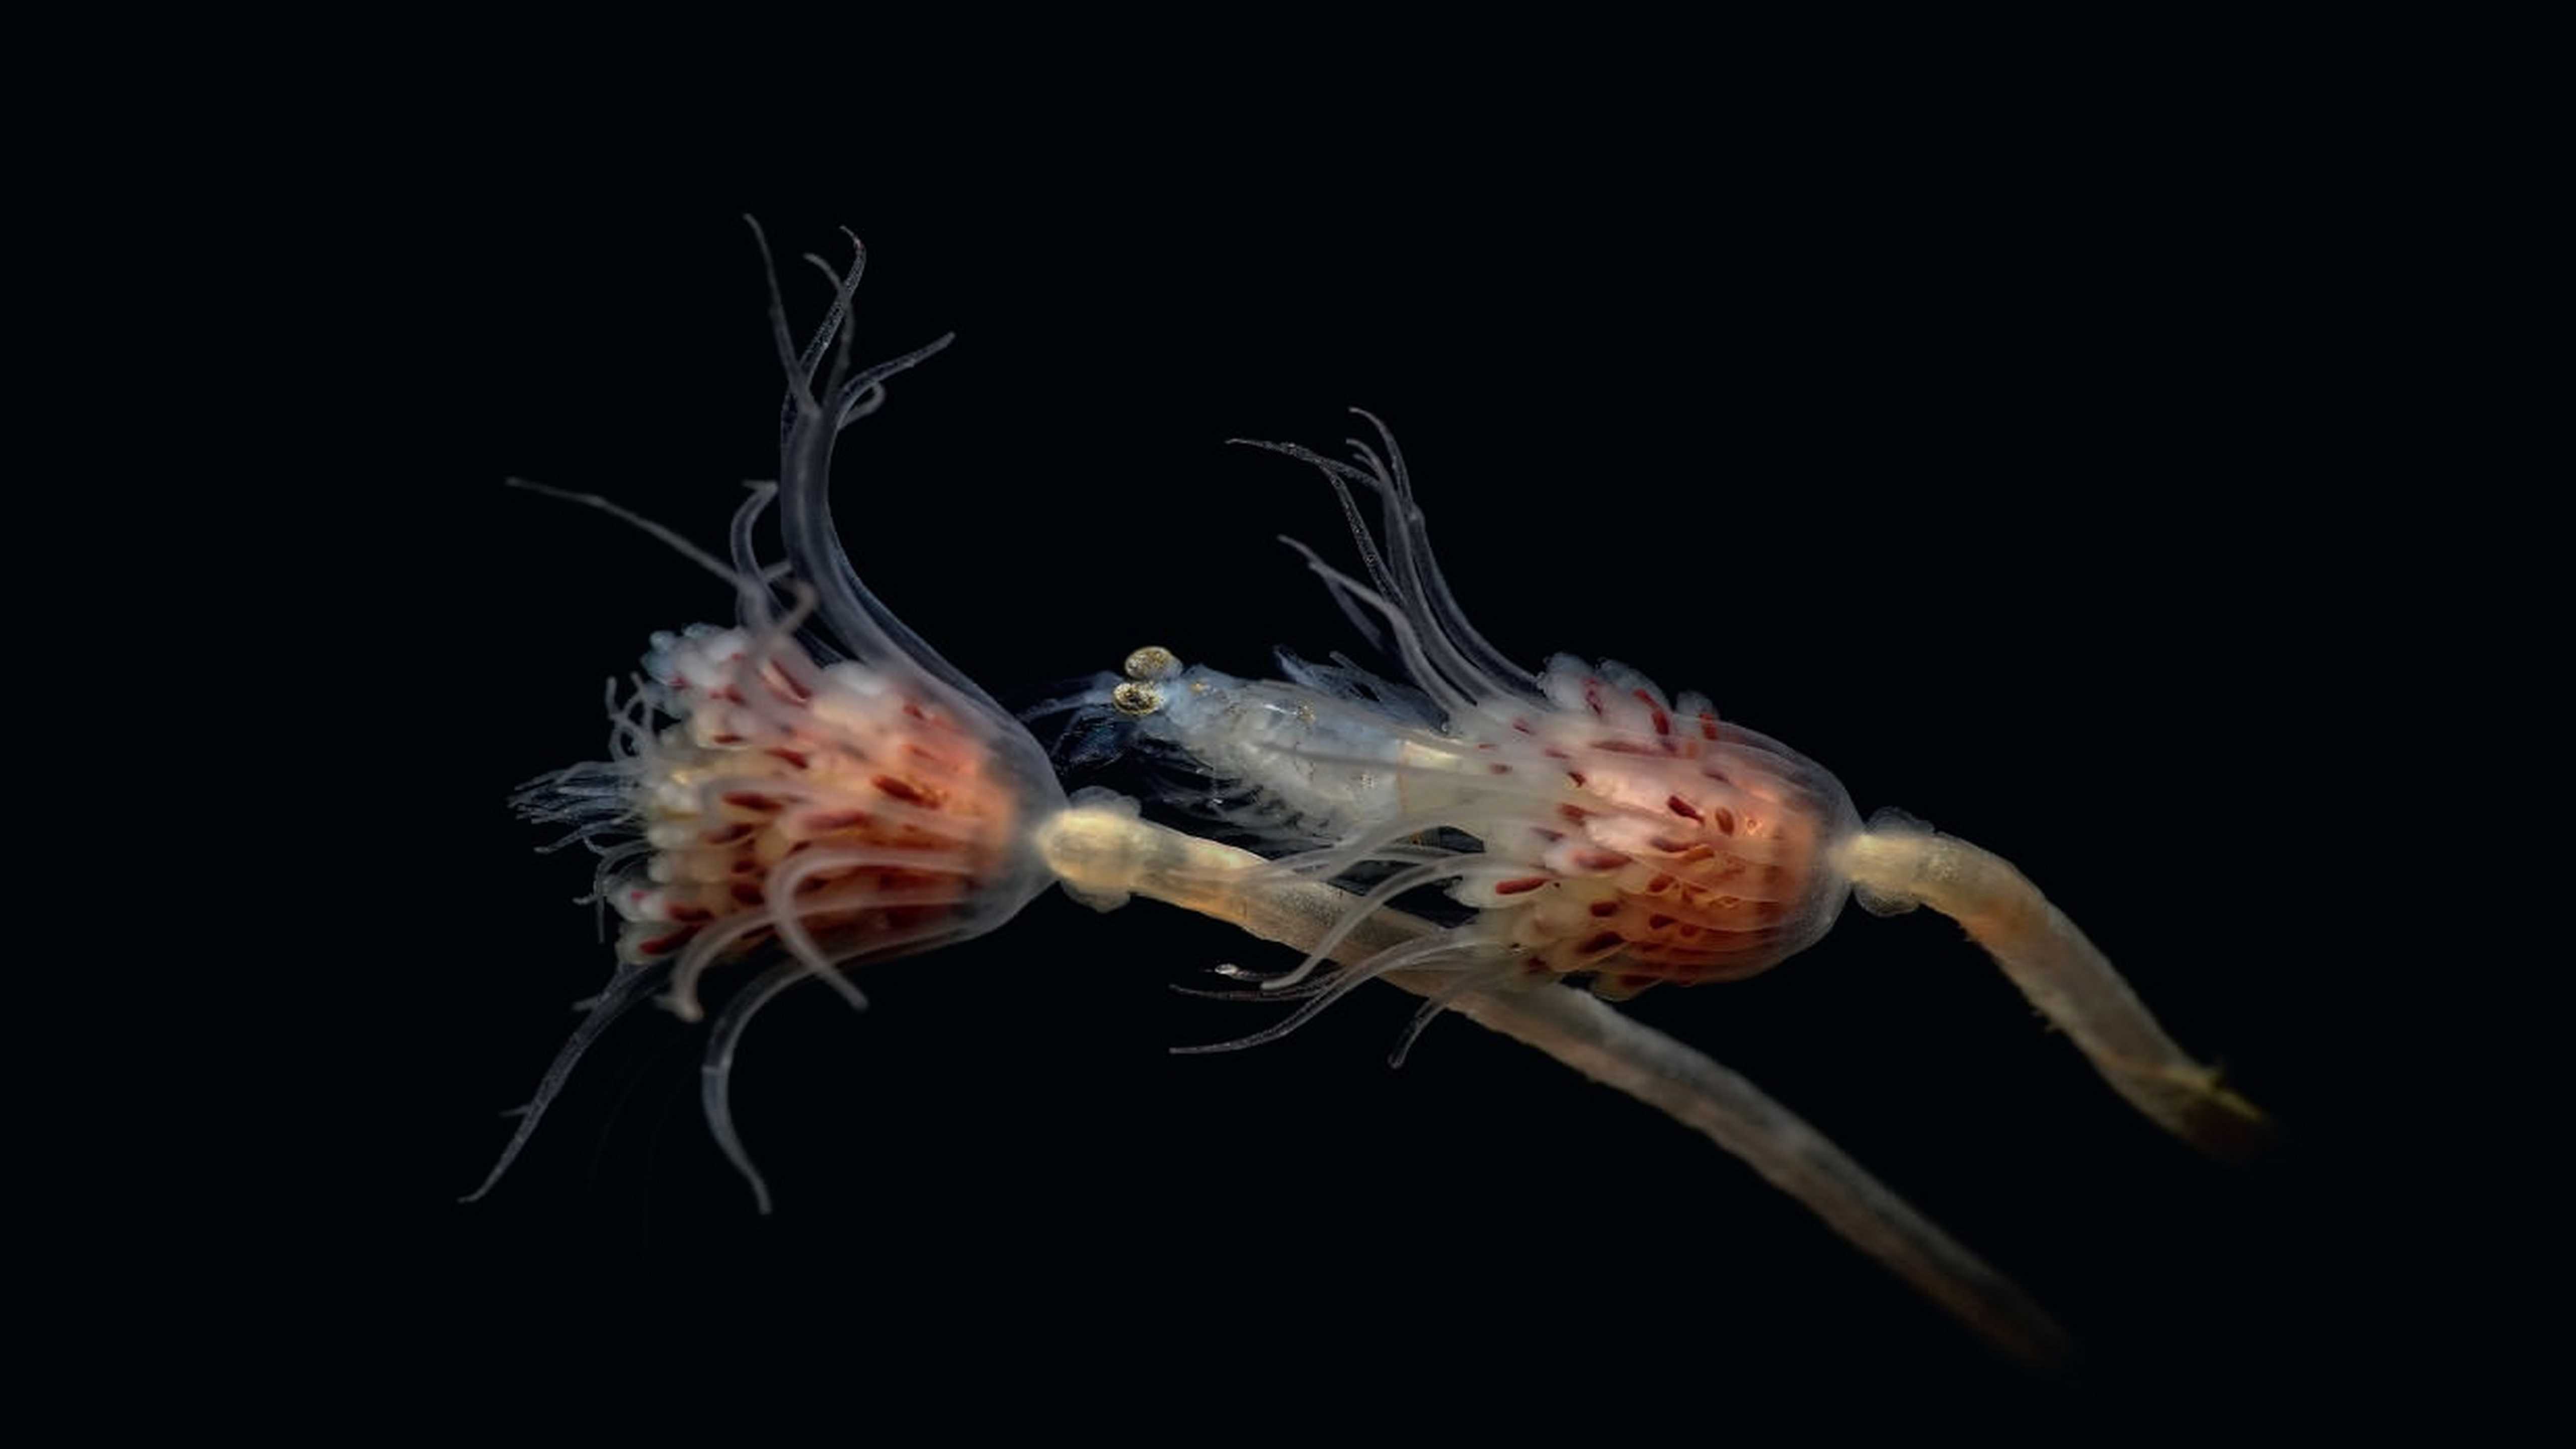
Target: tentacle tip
<point>491,1180</point>
<point>1313,559</point>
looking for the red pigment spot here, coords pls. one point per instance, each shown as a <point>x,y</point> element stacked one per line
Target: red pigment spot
<point>660,944</point>
<point>1598,860</point>
<point>731,695</point>
<point>1668,845</point>
<point>1660,884</point>
<point>905,791</point>
<point>1518,884</point>
<point>1682,807</point>
<point>1592,695</point>
<point>915,711</point>
<point>1714,773</point>
<point>1657,923</point>
<point>1576,776</point>
<point>834,820</point>
<point>1553,753</point>
<point>1725,821</point>
<point>1605,908</point>
<point>1497,767</point>
<point>747,893</point>
<point>1622,747</point>
<point>1598,943</point>
<point>1549,836</point>
<point>1574,813</point>
<point>1655,715</point>
<point>729,834</point>
<point>1523,726</point>
<point>1688,930</point>
<point>745,865</point>
<point>785,684</point>
<point>691,915</point>
<point>727,738</point>
<point>751,800</point>
<point>1707,724</point>
<point>793,757</point>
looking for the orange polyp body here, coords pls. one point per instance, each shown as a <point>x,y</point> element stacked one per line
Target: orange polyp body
<point>1703,859</point>
<point>784,762</point>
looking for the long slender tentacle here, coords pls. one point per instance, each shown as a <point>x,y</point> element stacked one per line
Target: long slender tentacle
<point>633,984</point>
<point>1349,979</point>
<point>1448,997</point>
<point>715,1073</point>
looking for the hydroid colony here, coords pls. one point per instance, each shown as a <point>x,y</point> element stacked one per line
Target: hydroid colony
<point>813,788</point>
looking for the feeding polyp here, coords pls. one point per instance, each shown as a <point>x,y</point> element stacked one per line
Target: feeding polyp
<point>814,786</point>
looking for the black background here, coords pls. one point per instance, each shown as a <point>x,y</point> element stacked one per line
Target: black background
<point>1964,459</point>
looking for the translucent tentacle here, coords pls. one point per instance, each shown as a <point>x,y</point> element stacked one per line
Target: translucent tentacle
<point>715,1074</point>
<point>1410,643</point>
<point>865,625</point>
<point>742,584</point>
<point>633,984</point>
<point>1350,979</point>
<point>1361,908</point>
<point>1311,987</point>
<point>746,562</point>
<point>1448,997</point>
<point>1410,540</point>
<point>1406,573</point>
